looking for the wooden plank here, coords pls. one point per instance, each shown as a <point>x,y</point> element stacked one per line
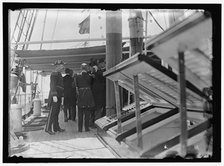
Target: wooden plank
<point>191,32</point>
<point>161,84</point>
<point>118,106</point>
<point>182,107</point>
<point>171,142</point>
<point>137,112</point>
<point>126,118</point>
<point>191,77</point>
<point>145,93</point>
<point>148,124</point>
<point>166,88</point>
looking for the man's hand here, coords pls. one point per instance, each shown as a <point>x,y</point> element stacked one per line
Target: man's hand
<point>77,91</point>
<point>55,99</point>
<point>62,101</point>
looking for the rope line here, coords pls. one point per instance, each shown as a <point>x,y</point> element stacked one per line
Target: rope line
<point>156,21</point>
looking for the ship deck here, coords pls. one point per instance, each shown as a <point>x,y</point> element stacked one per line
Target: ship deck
<point>68,144</point>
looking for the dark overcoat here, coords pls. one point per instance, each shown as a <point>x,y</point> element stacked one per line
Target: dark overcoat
<point>99,88</point>
<point>56,86</point>
<point>85,96</point>
<point>68,95</point>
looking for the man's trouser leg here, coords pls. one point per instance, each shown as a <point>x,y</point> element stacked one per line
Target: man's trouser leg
<point>55,116</point>
<point>92,117</point>
<point>103,111</point>
<point>70,110</point>
<point>65,112</point>
<point>98,113</point>
<point>73,111</point>
<point>87,118</point>
<point>80,119</point>
<point>50,119</point>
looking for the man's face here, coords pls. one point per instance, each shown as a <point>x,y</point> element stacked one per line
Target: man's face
<point>60,68</point>
<point>90,68</point>
<point>102,65</point>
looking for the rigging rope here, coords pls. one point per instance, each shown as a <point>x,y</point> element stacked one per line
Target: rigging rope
<point>156,20</point>
<point>52,37</point>
<point>42,37</point>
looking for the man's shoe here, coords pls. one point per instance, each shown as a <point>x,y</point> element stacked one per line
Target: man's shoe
<point>50,132</point>
<point>61,130</point>
<point>87,130</point>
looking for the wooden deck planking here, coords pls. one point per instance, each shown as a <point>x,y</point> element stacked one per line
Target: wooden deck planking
<point>68,144</point>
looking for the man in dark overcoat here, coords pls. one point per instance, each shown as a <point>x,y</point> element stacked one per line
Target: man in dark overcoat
<point>99,90</point>
<point>74,96</point>
<point>85,100</point>
<point>68,96</point>
<point>55,96</point>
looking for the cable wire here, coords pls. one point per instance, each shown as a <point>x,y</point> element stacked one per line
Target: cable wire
<point>165,19</point>
<point>52,37</point>
<point>156,21</point>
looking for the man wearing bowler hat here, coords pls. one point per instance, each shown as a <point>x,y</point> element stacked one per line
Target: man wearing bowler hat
<point>55,96</point>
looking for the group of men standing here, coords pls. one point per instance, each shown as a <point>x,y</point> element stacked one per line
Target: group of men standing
<point>86,89</point>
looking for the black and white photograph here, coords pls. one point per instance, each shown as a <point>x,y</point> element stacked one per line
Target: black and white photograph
<point>111,82</point>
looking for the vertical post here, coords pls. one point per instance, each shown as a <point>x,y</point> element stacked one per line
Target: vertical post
<point>136,34</point>
<point>146,30</point>
<point>137,112</point>
<point>129,95</point>
<point>25,91</point>
<point>182,99</point>
<point>31,85</point>
<point>136,31</point>
<point>18,96</point>
<point>118,106</point>
<point>113,53</point>
<point>42,89</point>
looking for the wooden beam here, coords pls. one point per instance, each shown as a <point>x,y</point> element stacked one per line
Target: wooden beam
<point>150,124</point>
<point>63,56</point>
<point>172,142</point>
<point>137,112</point>
<point>118,106</point>
<point>45,68</point>
<point>66,60</point>
<point>182,107</point>
<point>194,79</point>
<point>160,83</point>
<point>72,40</point>
<point>126,118</point>
<point>68,63</point>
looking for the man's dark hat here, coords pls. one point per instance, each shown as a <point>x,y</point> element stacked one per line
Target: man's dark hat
<point>101,60</point>
<point>67,70</point>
